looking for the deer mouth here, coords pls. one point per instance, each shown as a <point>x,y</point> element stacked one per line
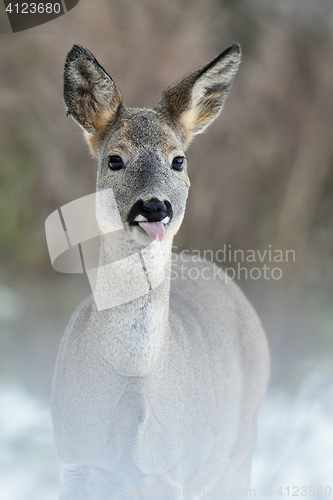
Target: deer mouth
<point>155,230</point>
<point>152,216</point>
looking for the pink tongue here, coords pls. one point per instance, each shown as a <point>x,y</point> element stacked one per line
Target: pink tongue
<point>156,230</point>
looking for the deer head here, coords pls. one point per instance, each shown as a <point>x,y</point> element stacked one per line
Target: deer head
<point>141,152</point>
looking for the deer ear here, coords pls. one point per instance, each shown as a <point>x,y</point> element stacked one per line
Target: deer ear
<point>196,100</point>
<point>91,96</point>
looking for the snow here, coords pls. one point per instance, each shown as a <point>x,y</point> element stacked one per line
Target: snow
<point>295,442</point>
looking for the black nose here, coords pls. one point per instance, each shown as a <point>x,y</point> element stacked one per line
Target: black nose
<point>152,210</point>
<point>153,207</point>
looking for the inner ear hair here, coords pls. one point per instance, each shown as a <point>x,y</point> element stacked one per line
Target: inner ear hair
<point>91,96</point>
<point>196,100</point>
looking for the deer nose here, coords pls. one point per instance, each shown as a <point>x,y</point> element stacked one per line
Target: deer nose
<point>153,207</point>
<point>154,210</point>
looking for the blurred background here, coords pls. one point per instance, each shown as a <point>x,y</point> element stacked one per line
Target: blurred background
<point>262,179</point>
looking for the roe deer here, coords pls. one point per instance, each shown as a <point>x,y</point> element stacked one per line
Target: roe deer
<point>160,392</point>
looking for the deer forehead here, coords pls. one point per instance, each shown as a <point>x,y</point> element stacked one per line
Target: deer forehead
<point>140,130</point>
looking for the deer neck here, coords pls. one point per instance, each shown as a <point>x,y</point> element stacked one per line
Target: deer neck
<point>136,281</point>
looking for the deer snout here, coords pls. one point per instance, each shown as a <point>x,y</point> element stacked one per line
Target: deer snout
<point>153,210</point>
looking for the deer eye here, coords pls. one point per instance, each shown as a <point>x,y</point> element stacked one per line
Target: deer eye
<point>115,162</point>
<point>177,163</point>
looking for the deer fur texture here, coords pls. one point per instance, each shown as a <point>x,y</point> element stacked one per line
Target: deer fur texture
<point>162,391</point>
